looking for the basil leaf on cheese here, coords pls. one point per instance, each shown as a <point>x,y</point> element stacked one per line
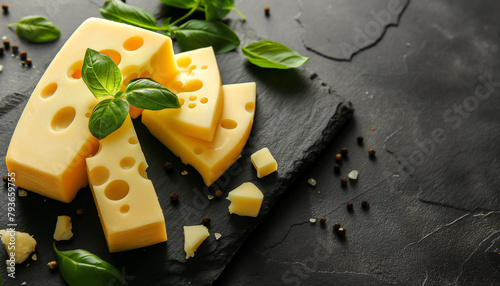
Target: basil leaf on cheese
<point>107,117</point>
<point>197,34</point>
<point>116,10</point>
<point>146,93</point>
<point>101,75</point>
<point>269,54</point>
<point>79,268</point>
<point>217,9</point>
<point>36,29</point>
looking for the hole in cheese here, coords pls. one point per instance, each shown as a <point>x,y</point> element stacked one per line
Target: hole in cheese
<point>133,43</point>
<point>75,70</point>
<point>116,190</point>
<point>49,90</point>
<point>127,163</point>
<point>176,85</point>
<point>133,140</point>
<point>142,170</point>
<point>99,175</point>
<point>228,124</point>
<point>192,97</point>
<point>87,114</point>
<point>62,119</point>
<point>250,106</point>
<point>124,209</point>
<point>192,105</point>
<point>145,74</point>
<point>181,101</point>
<point>192,85</point>
<point>113,55</point>
<point>129,79</point>
<point>204,100</point>
<point>204,67</point>
<point>183,62</point>
<point>198,150</point>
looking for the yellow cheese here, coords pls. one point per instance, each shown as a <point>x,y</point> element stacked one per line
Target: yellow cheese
<point>198,86</point>
<point>51,141</point>
<point>19,245</point>
<point>63,228</point>
<point>246,200</point>
<point>126,200</point>
<point>211,159</point>
<point>194,235</point>
<point>264,162</point>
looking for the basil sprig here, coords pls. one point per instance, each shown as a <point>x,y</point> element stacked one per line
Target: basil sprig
<point>103,78</point>
<point>36,29</point>
<point>80,268</point>
<point>269,54</point>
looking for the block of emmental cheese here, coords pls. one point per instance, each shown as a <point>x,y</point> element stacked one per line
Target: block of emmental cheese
<point>264,162</point>
<point>51,141</point>
<point>246,200</point>
<point>211,159</point>
<point>194,235</point>
<point>126,200</point>
<point>198,86</point>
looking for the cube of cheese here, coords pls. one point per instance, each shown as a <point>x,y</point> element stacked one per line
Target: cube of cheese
<point>246,200</point>
<point>126,200</point>
<point>51,141</point>
<point>63,228</point>
<point>211,159</point>
<point>264,162</point>
<point>194,235</point>
<point>18,245</point>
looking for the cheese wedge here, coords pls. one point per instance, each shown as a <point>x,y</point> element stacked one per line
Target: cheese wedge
<point>51,141</point>
<point>246,200</point>
<point>198,86</point>
<point>194,235</point>
<point>211,159</point>
<point>126,200</point>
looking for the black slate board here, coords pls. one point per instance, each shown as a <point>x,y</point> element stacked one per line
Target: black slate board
<point>296,116</point>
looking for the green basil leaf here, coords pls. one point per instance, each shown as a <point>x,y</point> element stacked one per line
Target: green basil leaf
<point>116,10</point>
<point>101,75</point>
<point>269,54</point>
<point>107,117</point>
<point>183,4</point>
<point>217,9</point>
<point>79,268</point>
<point>146,93</point>
<point>37,29</point>
<point>197,34</point>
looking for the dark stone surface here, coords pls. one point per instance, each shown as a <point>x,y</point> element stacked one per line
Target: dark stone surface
<point>296,117</point>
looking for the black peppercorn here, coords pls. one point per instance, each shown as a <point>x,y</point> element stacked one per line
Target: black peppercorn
<point>267,10</point>
<point>341,231</point>
<point>365,205</point>
<point>168,166</point>
<point>174,197</point>
<point>218,193</point>
<point>1,51</point>
<point>206,220</point>
<point>336,168</point>
<point>23,55</point>
<point>338,157</point>
<point>5,179</point>
<point>371,152</point>
<point>336,226</point>
<point>6,44</point>
<point>343,181</point>
<point>350,206</point>
<point>344,152</point>
<point>52,265</point>
<point>29,62</point>
<point>322,220</point>
<point>80,211</point>
<point>5,8</point>
<point>15,49</point>
<point>360,140</point>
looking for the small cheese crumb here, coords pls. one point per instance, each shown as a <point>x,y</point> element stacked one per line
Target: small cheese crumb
<point>34,257</point>
<point>217,235</point>
<point>312,182</point>
<point>1,68</point>
<point>210,197</point>
<point>353,175</point>
<point>25,245</point>
<point>312,220</point>
<point>184,173</point>
<point>4,38</point>
<point>24,283</point>
<point>22,193</point>
<point>63,228</point>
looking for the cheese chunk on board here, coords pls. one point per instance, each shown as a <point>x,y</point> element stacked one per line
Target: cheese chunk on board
<point>51,141</point>
<point>246,200</point>
<point>211,159</point>
<point>194,235</point>
<point>199,88</point>
<point>126,200</point>
<point>264,162</point>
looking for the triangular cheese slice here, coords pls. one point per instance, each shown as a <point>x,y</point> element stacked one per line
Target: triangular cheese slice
<point>194,235</point>
<point>126,200</point>
<point>211,159</point>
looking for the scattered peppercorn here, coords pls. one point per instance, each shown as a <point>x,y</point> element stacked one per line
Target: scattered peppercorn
<point>80,211</point>
<point>15,49</point>
<point>336,168</point>
<point>6,44</point>
<point>5,8</point>
<point>206,220</point>
<point>267,10</point>
<point>23,55</point>
<point>1,51</point>
<point>350,206</point>
<point>322,220</point>
<point>365,205</point>
<point>360,140</point>
<point>344,152</point>
<point>343,181</point>
<point>338,157</point>
<point>341,231</point>
<point>371,152</point>
<point>168,166</point>
<point>52,265</point>
<point>29,62</point>
<point>5,179</point>
<point>218,193</point>
<point>336,226</point>
<point>174,197</point>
